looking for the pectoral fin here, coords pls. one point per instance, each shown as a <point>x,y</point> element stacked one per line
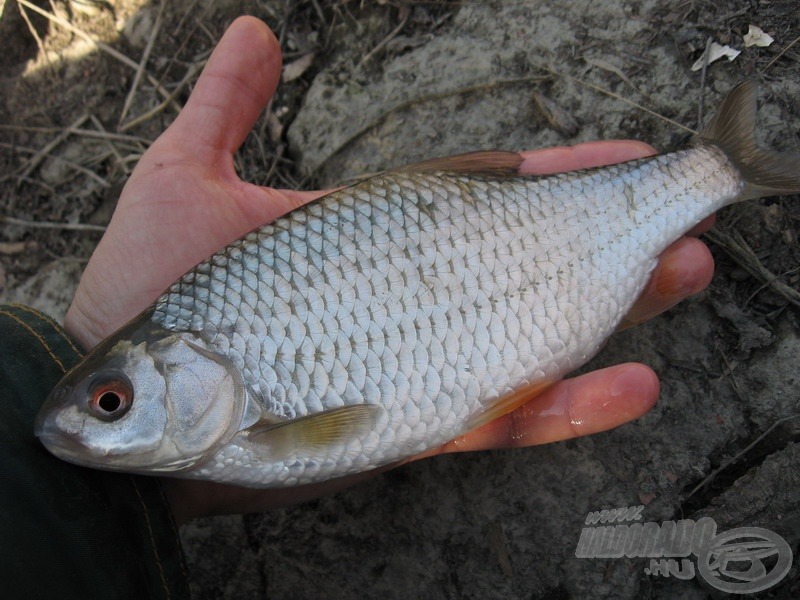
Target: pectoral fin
<point>509,402</point>
<point>312,434</point>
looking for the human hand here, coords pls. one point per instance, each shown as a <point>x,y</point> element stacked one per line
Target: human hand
<point>184,201</point>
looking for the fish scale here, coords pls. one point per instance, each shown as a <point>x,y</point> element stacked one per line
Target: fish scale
<point>386,264</point>
<point>394,315</point>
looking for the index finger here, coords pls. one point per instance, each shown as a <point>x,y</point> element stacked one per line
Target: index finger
<point>586,155</point>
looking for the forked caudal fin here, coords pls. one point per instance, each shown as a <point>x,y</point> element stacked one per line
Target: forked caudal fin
<point>733,130</point>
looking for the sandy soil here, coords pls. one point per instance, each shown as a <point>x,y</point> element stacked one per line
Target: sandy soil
<point>433,78</point>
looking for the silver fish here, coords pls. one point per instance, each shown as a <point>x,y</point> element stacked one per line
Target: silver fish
<point>394,315</point>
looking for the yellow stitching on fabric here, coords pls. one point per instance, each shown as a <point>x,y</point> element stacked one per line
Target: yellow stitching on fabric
<point>37,336</point>
<point>152,538</point>
<point>47,319</point>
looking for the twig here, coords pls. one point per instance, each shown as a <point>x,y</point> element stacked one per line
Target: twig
<point>422,100</point>
<point>100,45</point>
<point>605,66</point>
<point>37,158</point>
<point>739,455</point>
<point>318,9</point>
<point>112,148</point>
<point>387,39</point>
<point>85,170</point>
<point>10,248</point>
<point>488,86</point>
<point>34,33</point>
<point>140,68</point>
<point>782,52</point>
<point>198,19</point>
<point>73,165</point>
<point>51,225</point>
<point>189,10</point>
<point>111,136</point>
<point>79,32</point>
<point>190,73</point>
<point>706,54</point>
<point>14,127</point>
<point>611,94</point>
<point>735,245</point>
<point>766,284</point>
<point>49,189</point>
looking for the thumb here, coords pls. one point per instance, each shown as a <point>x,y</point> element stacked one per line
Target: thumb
<point>236,84</point>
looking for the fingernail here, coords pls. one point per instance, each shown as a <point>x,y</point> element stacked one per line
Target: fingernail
<point>629,394</point>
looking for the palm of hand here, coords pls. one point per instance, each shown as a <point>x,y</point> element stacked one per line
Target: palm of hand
<point>174,212</point>
<point>184,201</point>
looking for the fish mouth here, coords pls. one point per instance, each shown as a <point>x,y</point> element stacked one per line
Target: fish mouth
<point>45,428</point>
<point>44,422</point>
<point>57,443</point>
<point>62,446</point>
<point>67,447</point>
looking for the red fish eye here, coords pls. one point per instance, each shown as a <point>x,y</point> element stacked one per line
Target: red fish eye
<point>111,397</point>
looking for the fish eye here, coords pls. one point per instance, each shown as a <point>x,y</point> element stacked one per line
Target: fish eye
<point>110,396</point>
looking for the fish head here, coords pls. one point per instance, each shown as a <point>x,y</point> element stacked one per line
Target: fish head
<point>146,400</point>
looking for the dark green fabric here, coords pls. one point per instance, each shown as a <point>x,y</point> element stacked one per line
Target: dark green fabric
<point>66,531</point>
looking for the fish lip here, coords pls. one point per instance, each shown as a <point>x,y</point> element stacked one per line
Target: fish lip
<point>44,427</point>
<point>54,399</point>
<point>61,445</point>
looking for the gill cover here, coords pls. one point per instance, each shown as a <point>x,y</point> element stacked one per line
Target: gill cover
<point>146,400</point>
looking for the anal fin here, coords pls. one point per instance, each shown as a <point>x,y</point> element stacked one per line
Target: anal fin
<point>509,402</point>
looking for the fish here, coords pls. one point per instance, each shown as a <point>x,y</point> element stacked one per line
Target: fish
<point>394,315</point>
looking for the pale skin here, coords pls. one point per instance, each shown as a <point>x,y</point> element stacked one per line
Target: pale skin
<point>184,201</point>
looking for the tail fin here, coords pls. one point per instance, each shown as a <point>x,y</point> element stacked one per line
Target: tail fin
<point>733,130</point>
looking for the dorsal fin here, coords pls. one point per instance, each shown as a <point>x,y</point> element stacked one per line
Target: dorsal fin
<point>493,163</point>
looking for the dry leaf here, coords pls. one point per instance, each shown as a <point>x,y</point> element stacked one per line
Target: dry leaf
<point>296,68</point>
<point>755,36</point>
<point>606,66</point>
<point>558,118</point>
<point>715,52</point>
<point>274,128</point>
<point>9,248</point>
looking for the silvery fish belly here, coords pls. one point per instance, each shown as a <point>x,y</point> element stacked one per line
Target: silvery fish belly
<point>394,315</point>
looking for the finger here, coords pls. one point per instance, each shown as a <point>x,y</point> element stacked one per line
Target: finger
<point>594,402</point>
<point>271,204</point>
<point>584,405</point>
<point>547,160</point>
<point>702,226</point>
<point>685,268</point>
<point>236,84</point>
<point>582,156</point>
<point>296,198</point>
